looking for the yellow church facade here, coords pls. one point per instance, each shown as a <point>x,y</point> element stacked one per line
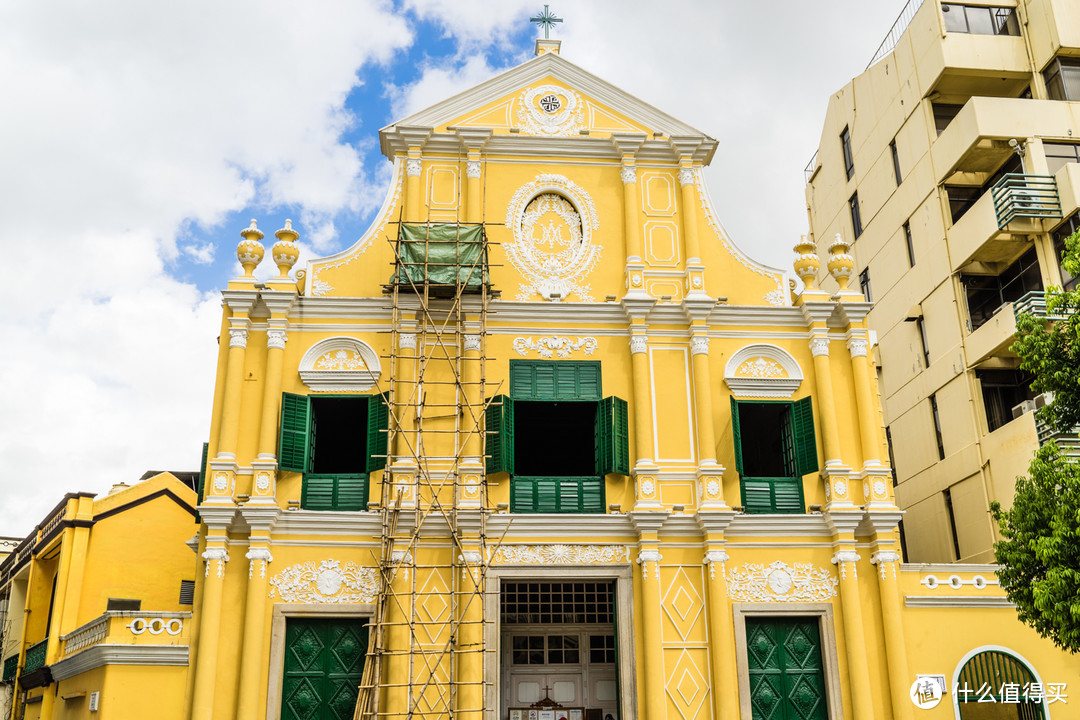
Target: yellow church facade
<point>544,444</point>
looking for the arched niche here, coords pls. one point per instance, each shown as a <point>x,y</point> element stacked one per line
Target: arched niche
<point>763,371</point>
<point>340,364</point>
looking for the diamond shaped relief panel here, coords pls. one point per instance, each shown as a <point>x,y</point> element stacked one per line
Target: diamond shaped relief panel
<point>303,701</point>
<point>806,698</point>
<point>762,648</point>
<point>683,606</point>
<point>343,702</point>
<point>305,648</point>
<point>433,609</point>
<point>765,698</point>
<point>800,648</point>
<point>687,684</point>
<point>349,650</point>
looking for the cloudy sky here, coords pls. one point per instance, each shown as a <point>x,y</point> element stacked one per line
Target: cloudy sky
<point>138,138</point>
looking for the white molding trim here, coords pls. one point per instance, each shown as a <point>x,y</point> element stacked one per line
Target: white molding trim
<point>963,601</point>
<point>771,361</point>
<point>351,524</point>
<point>97,656</point>
<point>357,373</point>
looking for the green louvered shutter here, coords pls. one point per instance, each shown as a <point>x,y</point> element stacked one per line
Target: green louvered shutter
<point>523,380</point>
<point>351,492</point>
<point>546,494</point>
<point>756,495</point>
<point>736,435</point>
<point>592,495</point>
<point>318,492</point>
<point>499,423</point>
<point>202,471</point>
<point>295,429</point>
<point>802,416</point>
<point>378,423</point>
<point>587,377</point>
<point>544,382</point>
<point>787,495</point>
<point>549,380</point>
<point>612,437</point>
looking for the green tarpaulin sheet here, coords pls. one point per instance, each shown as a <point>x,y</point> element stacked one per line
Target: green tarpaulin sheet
<point>447,254</point>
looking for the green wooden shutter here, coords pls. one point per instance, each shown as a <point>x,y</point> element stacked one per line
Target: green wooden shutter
<point>592,495</point>
<point>787,495</point>
<point>295,428</point>
<point>736,435</point>
<point>522,380</point>
<point>546,494</point>
<point>499,423</point>
<point>378,423</point>
<point>612,437</point>
<point>318,492</point>
<point>550,380</point>
<point>351,492</point>
<point>756,495</point>
<point>202,471</point>
<point>802,416</point>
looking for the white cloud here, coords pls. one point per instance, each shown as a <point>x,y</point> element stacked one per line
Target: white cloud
<point>475,22</point>
<point>125,122</point>
<point>438,81</point>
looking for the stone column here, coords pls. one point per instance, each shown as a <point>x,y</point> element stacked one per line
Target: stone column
<point>695,269</point>
<point>725,678</point>
<point>868,434</point>
<point>886,561</point>
<point>413,200</point>
<point>398,636</point>
<point>205,664</point>
<point>469,700</point>
<point>648,525</point>
<point>627,144</point>
<point>471,467</point>
<point>473,206</point>
<point>260,520</point>
<point>846,560</point>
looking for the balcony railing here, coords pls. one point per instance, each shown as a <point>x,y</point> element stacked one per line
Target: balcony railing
<point>86,635</point>
<point>1067,442</point>
<point>35,657</point>
<point>896,31</point>
<point>1020,195</point>
<point>11,667</point>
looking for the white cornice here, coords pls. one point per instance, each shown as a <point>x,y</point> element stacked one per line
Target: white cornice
<point>316,522</point>
<point>99,655</point>
<point>561,526</point>
<point>962,601</point>
<point>812,525</point>
<point>949,568</point>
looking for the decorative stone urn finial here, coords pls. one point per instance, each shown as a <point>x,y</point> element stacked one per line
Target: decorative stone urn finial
<point>250,251</point>
<point>841,263</point>
<point>285,250</point>
<point>807,262</point>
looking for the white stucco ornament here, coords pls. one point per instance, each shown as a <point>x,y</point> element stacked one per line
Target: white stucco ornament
<point>550,110</point>
<point>331,581</point>
<point>780,582</point>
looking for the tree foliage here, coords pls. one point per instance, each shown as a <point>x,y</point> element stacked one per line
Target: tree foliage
<point>1039,552</point>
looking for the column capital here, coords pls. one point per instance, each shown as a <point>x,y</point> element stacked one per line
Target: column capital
<point>819,346</point>
<point>472,168</point>
<point>471,343</point>
<point>628,174</point>
<point>275,338</point>
<point>639,343</point>
<point>857,346</point>
<point>219,554</point>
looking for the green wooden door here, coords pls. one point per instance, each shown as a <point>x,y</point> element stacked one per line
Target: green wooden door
<point>787,681</point>
<point>323,663</point>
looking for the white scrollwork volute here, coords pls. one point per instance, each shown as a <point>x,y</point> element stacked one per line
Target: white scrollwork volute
<point>628,173</point>
<point>238,337</point>
<point>472,343</point>
<point>647,556</point>
<point>699,345</point>
<point>881,558</point>
<point>687,176</point>
<point>712,557</point>
<point>639,343</point>
<point>564,347</point>
<point>561,554</point>
<point>472,169</point>
<point>219,554</point>
<point>819,346</point>
<point>846,556</point>
<point>857,346</point>
<point>330,581</point>
<point>275,339</point>
<point>258,555</point>
<point>780,582</point>
<point>413,167</point>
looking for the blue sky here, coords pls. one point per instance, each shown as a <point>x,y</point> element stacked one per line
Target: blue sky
<point>140,138</point>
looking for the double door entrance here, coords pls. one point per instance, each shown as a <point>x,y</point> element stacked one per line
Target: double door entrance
<point>324,659</point>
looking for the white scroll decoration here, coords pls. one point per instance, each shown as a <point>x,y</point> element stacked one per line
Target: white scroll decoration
<point>331,581</point>
<point>780,582</point>
<point>564,347</point>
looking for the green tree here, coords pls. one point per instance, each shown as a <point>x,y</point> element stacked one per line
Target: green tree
<point>1039,552</point>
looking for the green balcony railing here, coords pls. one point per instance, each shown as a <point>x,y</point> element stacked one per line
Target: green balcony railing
<point>11,666</point>
<point>557,495</point>
<point>1067,442</point>
<point>1020,195</point>
<point>35,657</point>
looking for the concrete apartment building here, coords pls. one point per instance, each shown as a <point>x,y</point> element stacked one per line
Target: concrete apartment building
<point>952,165</point>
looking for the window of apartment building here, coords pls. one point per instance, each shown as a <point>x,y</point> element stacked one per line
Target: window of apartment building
<point>557,404</point>
<point>849,159</point>
<point>335,441</point>
<point>920,327</point>
<point>980,20</point>
<point>963,197</point>
<point>856,217</point>
<point>987,293</point>
<point>864,284</point>
<point>895,163</point>
<point>944,114</point>
<point>775,446</point>
<point>910,244</point>
<point>937,427</point>
<point>1058,155</point>
<point>1002,391</point>
<point>947,495</point>
<point>1063,79</point>
<point>1062,231</point>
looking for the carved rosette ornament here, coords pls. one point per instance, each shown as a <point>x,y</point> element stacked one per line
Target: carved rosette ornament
<point>331,581</point>
<point>780,582</point>
<point>628,173</point>
<point>261,556</point>
<point>472,169</point>
<point>275,339</point>
<point>262,481</point>
<point>413,167</point>
<point>639,343</point>
<point>841,263</point>
<point>881,558</point>
<point>250,251</point>
<point>550,110</point>
<point>221,555</point>
<point>238,337</point>
<point>699,345</point>
<point>857,346</point>
<point>846,556</point>
<point>807,263</point>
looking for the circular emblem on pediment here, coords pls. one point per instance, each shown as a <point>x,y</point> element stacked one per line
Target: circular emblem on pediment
<point>550,110</point>
<point>780,582</point>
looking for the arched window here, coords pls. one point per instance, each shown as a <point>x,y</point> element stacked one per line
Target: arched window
<point>1004,683</point>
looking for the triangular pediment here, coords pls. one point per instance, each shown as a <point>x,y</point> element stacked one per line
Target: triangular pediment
<point>548,96</point>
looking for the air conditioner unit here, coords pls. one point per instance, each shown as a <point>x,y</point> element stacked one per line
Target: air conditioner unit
<point>1043,399</point>
<point>1023,408</point>
<point>95,701</point>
